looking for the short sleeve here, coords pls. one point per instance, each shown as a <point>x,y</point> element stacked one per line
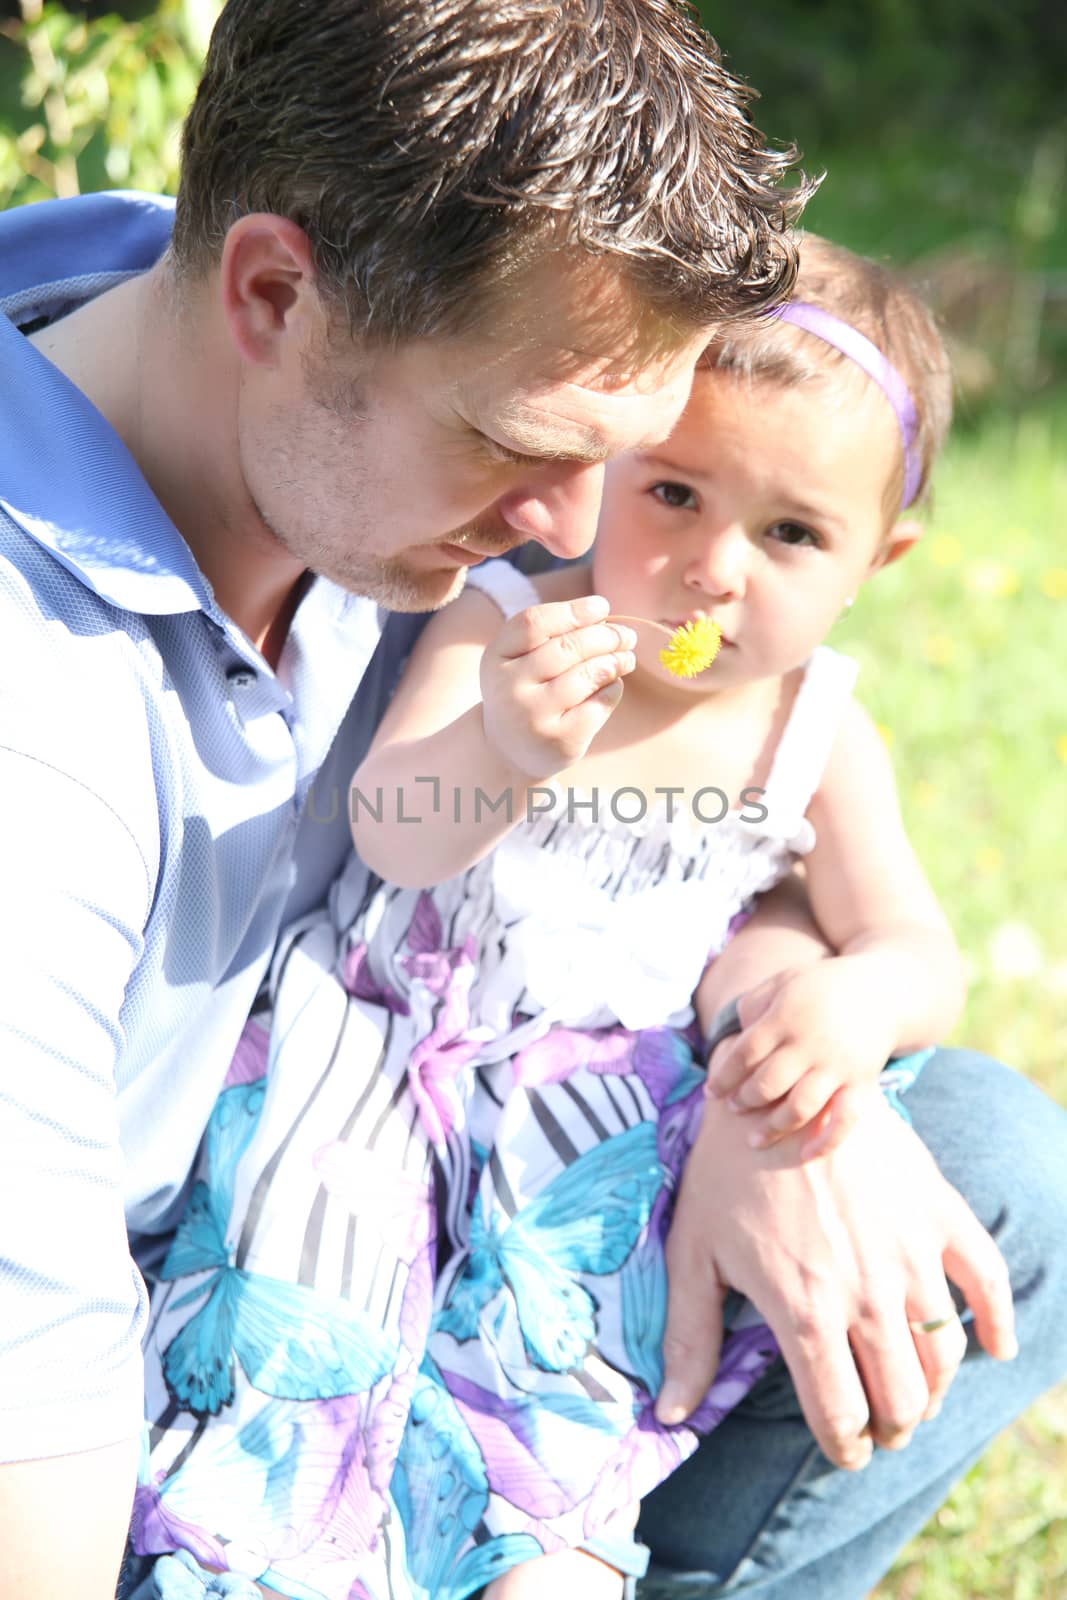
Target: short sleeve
<point>72,1305</point>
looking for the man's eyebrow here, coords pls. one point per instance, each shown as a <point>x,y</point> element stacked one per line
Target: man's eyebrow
<point>529,434</point>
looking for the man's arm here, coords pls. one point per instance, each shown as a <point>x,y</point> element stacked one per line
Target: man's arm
<point>837,1253</point>
<point>65,1522</point>
<point>76,893</point>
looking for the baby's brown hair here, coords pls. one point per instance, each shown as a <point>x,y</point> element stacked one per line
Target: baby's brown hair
<point>879,304</point>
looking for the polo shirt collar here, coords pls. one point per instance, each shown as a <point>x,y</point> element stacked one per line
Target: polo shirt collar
<point>66,478</point>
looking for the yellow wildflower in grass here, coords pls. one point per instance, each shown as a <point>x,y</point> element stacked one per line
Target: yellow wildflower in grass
<point>692,647</point>
<point>946,550</point>
<point>886,732</point>
<point>988,859</point>
<point>940,650</point>
<point>992,578</point>
<point>1061,747</point>
<point>924,793</point>
<point>1054,583</point>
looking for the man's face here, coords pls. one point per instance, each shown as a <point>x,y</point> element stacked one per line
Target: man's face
<point>391,472</point>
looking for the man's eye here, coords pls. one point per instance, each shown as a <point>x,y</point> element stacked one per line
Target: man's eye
<point>794,533</point>
<point>501,453</point>
<point>677,496</point>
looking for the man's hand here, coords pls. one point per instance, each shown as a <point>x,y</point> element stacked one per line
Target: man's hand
<point>551,679</point>
<point>839,1255</point>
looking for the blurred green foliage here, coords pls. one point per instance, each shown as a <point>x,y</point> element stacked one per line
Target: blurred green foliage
<point>940,123</point>
<point>90,103</point>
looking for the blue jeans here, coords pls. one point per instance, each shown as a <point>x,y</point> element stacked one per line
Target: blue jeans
<point>758,1511</point>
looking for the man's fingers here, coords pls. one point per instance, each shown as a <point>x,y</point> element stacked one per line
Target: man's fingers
<point>828,1386</point>
<point>692,1339</point>
<point>973,1262</point>
<point>939,1343</point>
<point>894,1378</point>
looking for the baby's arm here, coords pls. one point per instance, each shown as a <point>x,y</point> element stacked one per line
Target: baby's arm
<point>814,1034</point>
<point>485,711</point>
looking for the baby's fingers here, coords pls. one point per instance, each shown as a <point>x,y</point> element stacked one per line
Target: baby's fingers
<point>734,1063</point>
<point>803,1105</point>
<point>770,1080</point>
<point>574,689</point>
<point>529,630</point>
<point>546,642</point>
<point>834,1123</point>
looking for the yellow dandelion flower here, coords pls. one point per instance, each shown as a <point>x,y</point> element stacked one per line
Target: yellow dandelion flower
<point>1054,583</point>
<point>885,731</point>
<point>992,578</point>
<point>924,793</point>
<point>1061,747</point>
<point>940,650</point>
<point>946,550</point>
<point>692,647</point>
<point>988,859</point>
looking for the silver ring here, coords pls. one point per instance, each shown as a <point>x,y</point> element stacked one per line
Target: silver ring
<point>933,1324</point>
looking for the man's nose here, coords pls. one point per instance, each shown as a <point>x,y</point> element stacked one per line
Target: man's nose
<point>559,508</point>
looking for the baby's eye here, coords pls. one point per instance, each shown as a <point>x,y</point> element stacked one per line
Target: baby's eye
<point>678,496</point>
<point>794,533</point>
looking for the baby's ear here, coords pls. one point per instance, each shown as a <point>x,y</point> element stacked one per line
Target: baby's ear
<point>904,533</point>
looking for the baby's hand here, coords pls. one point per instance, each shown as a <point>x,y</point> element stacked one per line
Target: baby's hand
<point>551,679</point>
<point>812,1044</point>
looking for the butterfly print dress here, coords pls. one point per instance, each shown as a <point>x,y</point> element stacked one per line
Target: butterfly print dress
<point>408,1333</point>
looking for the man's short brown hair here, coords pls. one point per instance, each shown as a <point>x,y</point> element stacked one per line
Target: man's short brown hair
<point>428,147</point>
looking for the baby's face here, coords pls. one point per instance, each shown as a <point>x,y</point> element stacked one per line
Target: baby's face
<point>765,510</point>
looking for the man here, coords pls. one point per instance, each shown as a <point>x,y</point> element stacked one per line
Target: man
<point>430,267</point>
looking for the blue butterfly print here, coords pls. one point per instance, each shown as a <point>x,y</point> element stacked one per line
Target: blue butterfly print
<point>441,1490</point>
<point>587,1220</point>
<point>643,1293</point>
<point>293,1342</point>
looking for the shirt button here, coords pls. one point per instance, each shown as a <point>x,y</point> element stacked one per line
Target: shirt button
<point>240,677</point>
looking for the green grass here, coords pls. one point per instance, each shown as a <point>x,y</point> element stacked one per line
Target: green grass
<point>962,655</point>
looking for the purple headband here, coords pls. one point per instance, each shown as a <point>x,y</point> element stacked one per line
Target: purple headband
<point>824,325</point>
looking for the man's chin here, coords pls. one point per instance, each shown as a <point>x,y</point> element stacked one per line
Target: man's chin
<point>397,588</point>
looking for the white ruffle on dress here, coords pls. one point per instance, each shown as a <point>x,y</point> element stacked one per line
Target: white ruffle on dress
<point>408,1333</point>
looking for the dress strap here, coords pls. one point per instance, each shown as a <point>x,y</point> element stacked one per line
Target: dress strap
<point>808,737</point>
<point>509,588</point>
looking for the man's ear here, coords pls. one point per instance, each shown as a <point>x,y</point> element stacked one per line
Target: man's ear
<point>899,540</point>
<point>266,281</point>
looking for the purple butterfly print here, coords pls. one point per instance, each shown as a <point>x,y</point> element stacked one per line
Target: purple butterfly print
<point>649,1452</point>
<point>563,1050</point>
<point>360,982</point>
<point>249,1062</point>
<point>446,1047</point>
<point>424,933</point>
<point>515,1434</point>
<point>663,1060</point>
<point>399,1205</point>
<point>390,1413</point>
<point>156,1529</point>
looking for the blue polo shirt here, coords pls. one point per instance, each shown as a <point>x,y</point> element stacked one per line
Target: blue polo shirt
<point>155,827</point>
